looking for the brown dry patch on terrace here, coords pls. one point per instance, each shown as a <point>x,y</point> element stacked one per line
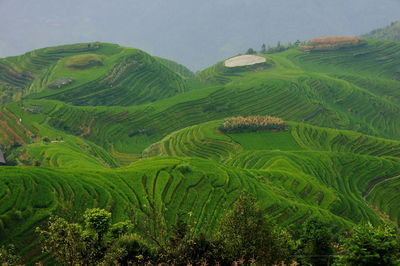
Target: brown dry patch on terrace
<point>7,132</point>
<point>89,128</point>
<point>13,77</point>
<point>119,116</point>
<point>332,42</point>
<point>30,75</point>
<point>13,117</point>
<point>11,134</point>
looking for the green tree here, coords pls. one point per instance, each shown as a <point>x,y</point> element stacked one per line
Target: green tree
<point>368,245</point>
<point>91,244</point>
<point>316,243</point>
<point>97,221</point>
<point>184,247</point>
<point>8,255</point>
<point>137,250</point>
<point>63,240</point>
<point>251,51</point>
<point>263,49</point>
<point>247,235</point>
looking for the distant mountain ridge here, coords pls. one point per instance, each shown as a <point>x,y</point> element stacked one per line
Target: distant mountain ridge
<point>391,32</point>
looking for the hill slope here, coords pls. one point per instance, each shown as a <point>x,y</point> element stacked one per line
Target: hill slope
<point>356,88</point>
<point>305,171</point>
<point>153,192</point>
<point>346,173</point>
<point>391,32</point>
<point>90,74</point>
<point>317,164</point>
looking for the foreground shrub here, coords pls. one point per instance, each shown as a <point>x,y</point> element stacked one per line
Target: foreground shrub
<point>247,236</point>
<point>316,243</point>
<point>137,250</point>
<point>368,245</point>
<point>91,244</point>
<point>184,247</point>
<point>8,255</point>
<point>252,123</point>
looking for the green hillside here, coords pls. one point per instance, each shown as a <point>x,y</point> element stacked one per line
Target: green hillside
<point>98,74</point>
<point>155,191</point>
<point>301,172</point>
<point>353,88</point>
<point>331,168</point>
<point>99,125</point>
<point>391,32</point>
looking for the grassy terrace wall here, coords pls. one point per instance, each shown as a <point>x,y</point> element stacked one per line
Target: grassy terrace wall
<point>323,88</point>
<point>343,187</point>
<point>154,191</point>
<point>335,169</point>
<point>342,176</point>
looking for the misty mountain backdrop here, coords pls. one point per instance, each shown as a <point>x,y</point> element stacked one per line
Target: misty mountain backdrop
<point>194,33</point>
<point>391,32</point>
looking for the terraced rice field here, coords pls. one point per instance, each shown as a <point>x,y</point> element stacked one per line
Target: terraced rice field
<point>156,124</point>
<point>155,191</point>
<point>120,76</point>
<point>292,89</point>
<point>326,167</point>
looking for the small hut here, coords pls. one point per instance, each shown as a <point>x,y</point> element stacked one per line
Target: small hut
<point>2,160</point>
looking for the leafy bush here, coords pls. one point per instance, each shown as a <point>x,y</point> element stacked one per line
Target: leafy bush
<point>91,244</point>
<point>184,247</point>
<point>316,241</point>
<point>8,256</point>
<point>246,235</point>
<point>137,250</point>
<point>252,123</point>
<point>368,245</point>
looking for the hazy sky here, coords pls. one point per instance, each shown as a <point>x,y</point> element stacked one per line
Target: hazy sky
<point>194,33</point>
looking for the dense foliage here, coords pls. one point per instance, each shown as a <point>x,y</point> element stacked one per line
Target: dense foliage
<point>246,236</point>
<point>369,245</point>
<point>91,244</point>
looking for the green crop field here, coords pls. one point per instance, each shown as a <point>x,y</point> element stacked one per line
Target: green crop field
<point>100,125</point>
